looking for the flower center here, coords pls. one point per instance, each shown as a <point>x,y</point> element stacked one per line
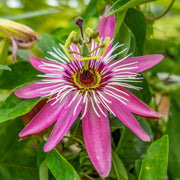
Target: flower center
<point>87,79</point>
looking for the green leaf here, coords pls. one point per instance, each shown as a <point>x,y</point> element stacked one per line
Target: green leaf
<point>122,5</point>
<point>173,131</point>
<point>130,147</point>
<point>136,21</point>
<point>32,14</point>
<point>144,94</point>
<point>14,107</point>
<point>4,47</point>
<point>154,164</point>
<point>122,37</point>
<point>46,43</point>
<point>59,167</point>
<point>119,20</point>
<point>118,168</point>
<point>41,155</point>
<point>22,72</point>
<point>43,171</point>
<point>4,67</point>
<point>18,158</point>
<point>115,123</point>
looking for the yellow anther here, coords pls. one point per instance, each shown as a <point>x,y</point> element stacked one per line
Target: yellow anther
<point>68,40</point>
<point>89,31</point>
<point>66,50</point>
<point>106,43</point>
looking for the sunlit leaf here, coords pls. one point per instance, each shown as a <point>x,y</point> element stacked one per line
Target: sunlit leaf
<point>4,67</point>
<point>122,5</point>
<point>33,14</point>
<point>14,107</point>
<point>154,164</point>
<point>59,167</point>
<point>118,170</point>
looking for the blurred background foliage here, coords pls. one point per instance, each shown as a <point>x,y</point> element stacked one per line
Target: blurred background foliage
<point>144,29</point>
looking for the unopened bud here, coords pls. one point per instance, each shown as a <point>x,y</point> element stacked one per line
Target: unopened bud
<point>23,35</point>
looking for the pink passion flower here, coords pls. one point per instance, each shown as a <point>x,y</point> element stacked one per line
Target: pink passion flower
<point>89,83</point>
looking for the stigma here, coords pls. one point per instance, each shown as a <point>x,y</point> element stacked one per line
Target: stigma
<point>83,44</point>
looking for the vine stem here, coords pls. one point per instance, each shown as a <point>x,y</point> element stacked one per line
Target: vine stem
<point>87,176</point>
<point>163,14</point>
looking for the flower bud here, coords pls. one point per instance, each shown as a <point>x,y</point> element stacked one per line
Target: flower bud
<point>23,35</point>
<point>4,46</point>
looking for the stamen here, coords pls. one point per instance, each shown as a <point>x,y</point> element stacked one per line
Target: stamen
<point>97,103</point>
<point>94,107</point>
<point>77,106</point>
<point>105,105</point>
<point>120,60</point>
<point>73,99</point>
<point>125,85</point>
<point>116,96</point>
<point>117,90</point>
<point>85,108</point>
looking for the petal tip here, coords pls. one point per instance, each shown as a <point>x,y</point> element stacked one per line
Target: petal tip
<point>105,173</point>
<point>146,138</point>
<point>47,148</point>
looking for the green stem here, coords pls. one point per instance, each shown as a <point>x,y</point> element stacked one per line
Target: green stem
<point>74,52</point>
<point>100,46</point>
<point>164,13</point>
<point>86,66</point>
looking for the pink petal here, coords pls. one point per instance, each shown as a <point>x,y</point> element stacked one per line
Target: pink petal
<point>39,65</point>
<point>63,124</point>
<point>46,116</point>
<point>96,132</point>
<point>140,63</point>
<point>106,25</point>
<point>127,118</point>
<point>135,105</point>
<point>34,90</point>
<point>106,28</point>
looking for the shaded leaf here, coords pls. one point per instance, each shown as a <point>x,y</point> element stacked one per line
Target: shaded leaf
<point>154,164</point>
<point>14,107</point>
<point>41,155</point>
<point>119,20</point>
<point>59,167</point>
<point>122,37</point>
<point>130,147</point>
<point>17,158</point>
<point>118,170</point>
<point>173,132</point>
<point>46,43</point>
<point>136,21</point>
<point>22,72</point>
